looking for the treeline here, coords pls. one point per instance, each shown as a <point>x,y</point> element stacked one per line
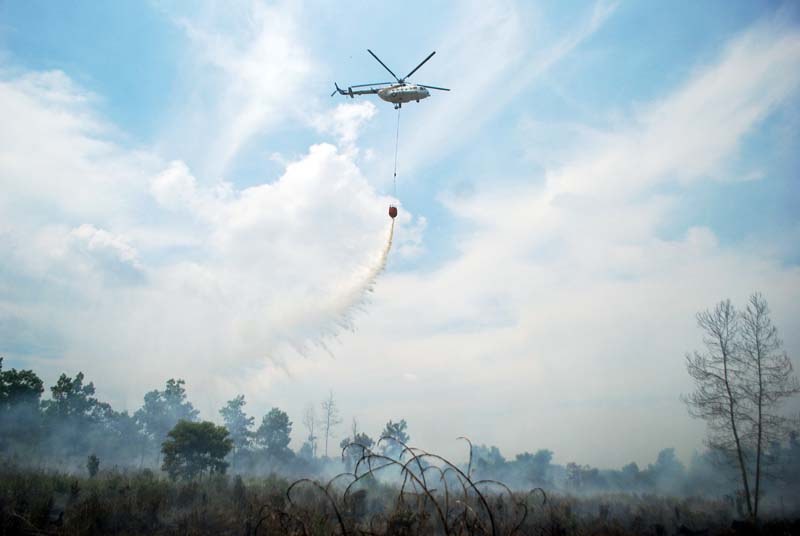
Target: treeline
<point>72,429</point>
<point>72,423</point>
<point>709,473</point>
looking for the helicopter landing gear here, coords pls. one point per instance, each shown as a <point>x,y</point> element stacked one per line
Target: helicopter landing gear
<point>398,106</point>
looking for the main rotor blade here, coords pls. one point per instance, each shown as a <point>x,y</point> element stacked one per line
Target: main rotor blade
<point>434,87</point>
<point>420,65</point>
<point>384,65</point>
<point>376,84</point>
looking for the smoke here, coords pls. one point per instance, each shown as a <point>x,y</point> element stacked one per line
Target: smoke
<point>349,300</point>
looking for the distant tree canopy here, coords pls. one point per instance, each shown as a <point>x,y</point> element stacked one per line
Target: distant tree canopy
<point>394,432</point>
<point>359,441</point>
<point>73,413</point>
<point>237,422</point>
<point>355,447</point>
<point>274,433</point>
<point>537,464</point>
<point>668,471</point>
<point>71,399</point>
<point>125,433</point>
<point>486,457</point>
<point>19,387</point>
<point>583,477</point>
<point>194,448</point>
<point>20,419</point>
<point>163,409</point>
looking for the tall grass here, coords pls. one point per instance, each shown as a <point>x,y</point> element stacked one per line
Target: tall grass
<point>412,492</point>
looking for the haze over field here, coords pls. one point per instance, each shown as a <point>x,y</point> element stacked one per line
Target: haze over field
<point>182,199</point>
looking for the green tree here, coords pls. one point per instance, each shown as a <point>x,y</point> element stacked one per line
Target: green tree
<point>194,448</point>
<point>19,387</point>
<point>306,451</point>
<point>274,432</point>
<point>73,416</point>
<point>630,476</point>
<point>487,459</point>
<point>583,477</point>
<point>668,473</point>
<point>20,418</point>
<point>124,438</point>
<point>536,465</point>
<point>71,399</point>
<point>394,432</point>
<point>93,465</point>
<point>163,409</point>
<point>238,423</point>
<point>355,447</point>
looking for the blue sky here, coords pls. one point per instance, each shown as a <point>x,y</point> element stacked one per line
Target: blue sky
<point>185,199</point>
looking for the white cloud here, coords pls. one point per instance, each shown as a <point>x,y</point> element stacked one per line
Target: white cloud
<point>102,242</point>
<point>345,122</point>
<point>55,155</point>
<point>486,58</point>
<point>256,74</point>
<point>689,135</point>
<point>174,187</point>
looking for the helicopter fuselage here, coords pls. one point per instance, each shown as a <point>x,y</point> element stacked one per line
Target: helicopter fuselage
<point>398,94</point>
<point>402,93</point>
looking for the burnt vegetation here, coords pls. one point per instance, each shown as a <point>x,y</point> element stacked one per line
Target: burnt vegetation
<point>415,493</point>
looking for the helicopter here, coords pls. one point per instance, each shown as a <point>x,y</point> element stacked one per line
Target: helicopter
<point>398,92</point>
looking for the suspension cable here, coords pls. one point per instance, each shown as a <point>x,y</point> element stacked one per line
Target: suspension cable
<point>396,146</point>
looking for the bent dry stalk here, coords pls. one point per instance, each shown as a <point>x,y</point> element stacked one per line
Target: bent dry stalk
<point>453,517</point>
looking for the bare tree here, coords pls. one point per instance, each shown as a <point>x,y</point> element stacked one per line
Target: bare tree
<point>740,381</point>
<point>330,419</point>
<point>310,422</point>
<point>768,380</point>
<point>716,399</point>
